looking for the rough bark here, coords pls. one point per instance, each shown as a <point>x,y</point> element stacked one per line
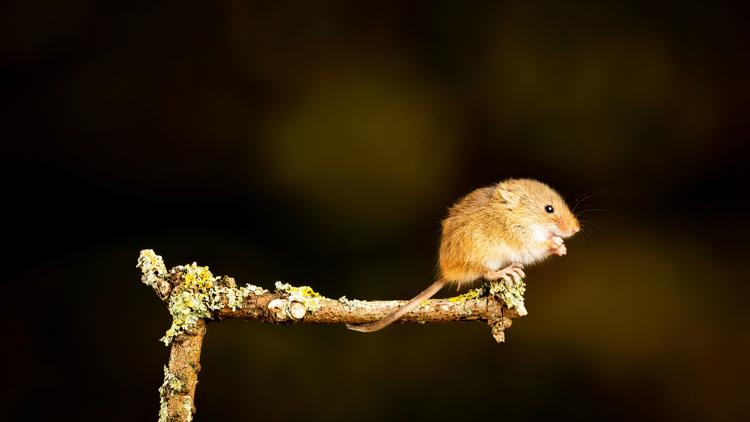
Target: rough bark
<point>184,365</point>
<point>278,308</point>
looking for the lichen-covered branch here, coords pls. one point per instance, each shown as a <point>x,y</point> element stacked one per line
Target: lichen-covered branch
<point>194,295</point>
<point>281,307</point>
<point>177,393</point>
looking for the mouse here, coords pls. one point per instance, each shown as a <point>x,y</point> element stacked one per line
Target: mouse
<point>491,234</point>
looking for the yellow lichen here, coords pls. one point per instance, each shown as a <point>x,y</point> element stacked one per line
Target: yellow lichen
<point>471,294</point>
<point>302,294</point>
<point>198,278</point>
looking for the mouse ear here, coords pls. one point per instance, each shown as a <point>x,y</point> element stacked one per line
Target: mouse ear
<point>509,197</point>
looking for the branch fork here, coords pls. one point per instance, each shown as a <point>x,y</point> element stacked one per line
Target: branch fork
<point>194,295</point>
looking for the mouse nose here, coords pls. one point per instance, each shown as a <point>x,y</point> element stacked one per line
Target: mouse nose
<point>576,228</point>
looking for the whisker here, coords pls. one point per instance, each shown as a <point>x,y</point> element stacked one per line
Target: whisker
<point>585,197</point>
<point>585,234</point>
<point>590,210</point>
<point>588,223</point>
<point>578,202</point>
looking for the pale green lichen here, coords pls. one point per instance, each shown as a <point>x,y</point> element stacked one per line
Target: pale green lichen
<point>352,302</point>
<point>199,294</point>
<point>235,297</point>
<point>171,385</point>
<point>186,308</point>
<point>512,295</point>
<point>252,289</point>
<point>172,382</point>
<point>152,267</point>
<point>302,294</point>
<point>163,411</point>
<point>187,404</point>
<point>189,301</point>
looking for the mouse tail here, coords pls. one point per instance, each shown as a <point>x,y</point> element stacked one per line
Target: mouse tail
<point>398,313</point>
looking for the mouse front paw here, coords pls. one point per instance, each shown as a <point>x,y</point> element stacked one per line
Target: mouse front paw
<point>556,246</point>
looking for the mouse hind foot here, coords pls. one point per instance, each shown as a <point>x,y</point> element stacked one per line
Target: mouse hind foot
<point>511,275</point>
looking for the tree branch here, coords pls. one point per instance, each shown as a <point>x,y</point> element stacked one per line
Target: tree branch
<point>194,295</point>
<point>280,308</point>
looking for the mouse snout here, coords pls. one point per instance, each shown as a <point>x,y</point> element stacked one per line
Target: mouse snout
<point>569,228</point>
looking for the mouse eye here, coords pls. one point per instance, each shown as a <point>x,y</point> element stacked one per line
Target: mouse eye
<point>549,209</point>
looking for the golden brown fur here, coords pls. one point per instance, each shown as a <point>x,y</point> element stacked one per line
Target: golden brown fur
<point>497,222</point>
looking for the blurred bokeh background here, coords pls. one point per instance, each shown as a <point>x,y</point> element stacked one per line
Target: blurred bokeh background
<point>321,143</point>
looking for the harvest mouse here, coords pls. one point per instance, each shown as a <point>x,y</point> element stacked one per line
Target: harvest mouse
<point>491,233</point>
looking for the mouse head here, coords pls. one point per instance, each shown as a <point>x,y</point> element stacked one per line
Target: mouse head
<point>534,203</point>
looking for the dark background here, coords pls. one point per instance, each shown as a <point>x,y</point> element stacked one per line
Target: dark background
<point>321,144</point>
